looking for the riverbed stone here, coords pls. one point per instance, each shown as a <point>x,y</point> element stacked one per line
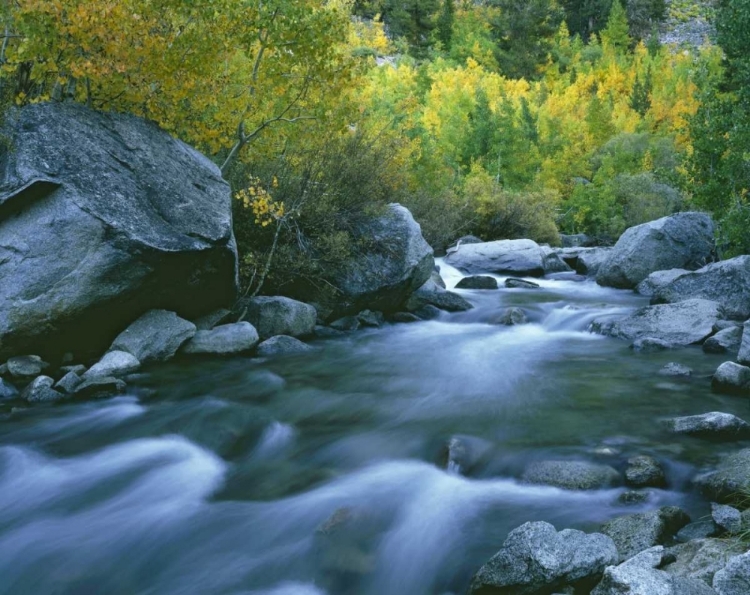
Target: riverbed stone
<point>7,390</point>
<point>477,282</point>
<point>571,475</point>
<point>283,345</point>
<point>731,378</point>
<point>743,357</point>
<point>437,278</point>
<point>681,324</point>
<point>462,453</point>
<point>346,324</point>
<point>634,533</point>
<point>68,383</point>
<point>715,425</point>
<point>212,319</point>
<point>553,262</point>
<point>371,319</point>
<point>279,315</point>
<point>728,480</point>
<point>700,529</point>
<point>651,345</point>
<point>404,317</point>
<point>26,366</point>
<point>645,471</point>
<point>734,578</point>
<point>725,341</point>
<point>726,517</point>
<point>502,257</point>
<point>103,217</point>
<point>428,312</point>
<point>535,558</point>
<point>431,294</point>
<point>512,317</point>
<point>702,558</point>
<point>99,387</point>
<point>114,363</point>
<point>40,391</point>
<point>684,240</point>
<point>658,279</point>
<point>154,337</point>
<point>225,339</point>
<point>641,575</point>
<point>726,282</point>
<point>676,369</point>
<point>513,283</point>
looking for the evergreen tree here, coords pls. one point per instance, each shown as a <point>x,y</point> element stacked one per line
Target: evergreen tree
<point>616,33</point>
<point>640,97</point>
<point>586,17</point>
<point>414,20</point>
<point>445,22</point>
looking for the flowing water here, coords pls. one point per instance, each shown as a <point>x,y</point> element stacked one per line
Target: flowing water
<point>325,473</point>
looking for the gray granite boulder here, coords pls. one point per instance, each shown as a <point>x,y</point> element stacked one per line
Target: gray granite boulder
<point>536,558</point>
<point>40,391</point>
<point>154,337</point>
<point>26,366</point>
<point>279,315</point>
<point>658,279</point>
<point>681,324</point>
<point>702,558</point>
<point>477,282</point>
<point>725,341</point>
<point>512,317</point>
<point>727,518</point>
<point>645,471</point>
<point>712,426</point>
<point>7,390</point>
<point>100,387</point>
<point>743,356</point>
<point>571,475</point>
<point>103,217</point>
<point>503,257</point>
<point>637,532</point>
<point>684,240</point>
<point>114,363</point>
<point>514,283</point>
<point>431,294</point>
<point>726,282</point>
<point>734,578</point>
<point>728,480</point>
<point>225,339</point>
<point>731,378</point>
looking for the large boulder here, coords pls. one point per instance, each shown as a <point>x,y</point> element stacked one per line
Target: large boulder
<point>279,315</point>
<point>726,340</point>
<point>535,558</point>
<point>732,379</point>
<point>726,282</point>
<point>431,294</point>
<point>729,481</point>
<point>702,558</point>
<point>681,241</point>
<point>503,257</point>
<point>684,323</point>
<point>634,533</point>
<point>658,279</point>
<point>584,261</point>
<point>102,218</point>
<point>395,260</point>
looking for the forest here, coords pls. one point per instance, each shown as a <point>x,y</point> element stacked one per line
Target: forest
<point>497,118</point>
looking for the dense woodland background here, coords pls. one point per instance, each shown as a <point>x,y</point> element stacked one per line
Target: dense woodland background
<point>500,118</point>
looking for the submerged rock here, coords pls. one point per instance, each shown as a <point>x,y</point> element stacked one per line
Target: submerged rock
<point>536,558</point>
<point>713,426</point>
<point>571,475</point>
<point>681,324</point>
<point>226,339</point>
<point>637,532</point>
<point>514,283</point>
<point>726,282</point>
<point>283,345</point>
<point>279,315</point>
<point>154,337</point>
<point>684,240</point>
<point>512,317</point>
<point>675,369</point>
<point>503,257</point>
<point>102,217</point>
<point>477,282</point>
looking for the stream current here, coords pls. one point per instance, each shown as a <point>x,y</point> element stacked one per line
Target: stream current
<point>325,473</point>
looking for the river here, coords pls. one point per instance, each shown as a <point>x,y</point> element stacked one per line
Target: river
<point>324,473</point>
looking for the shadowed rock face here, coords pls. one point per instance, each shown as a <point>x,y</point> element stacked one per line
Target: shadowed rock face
<point>103,217</point>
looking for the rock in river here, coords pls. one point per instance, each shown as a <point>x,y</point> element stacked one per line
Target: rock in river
<point>103,217</point>
<point>511,257</point>
<point>154,337</point>
<point>535,558</point>
<point>684,240</point>
<point>226,339</point>
<point>731,378</point>
<point>713,426</point>
<point>477,282</point>
<point>732,477</point>
<point>634,533</point>
<point>279,315</point>
<point>571,475</point>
